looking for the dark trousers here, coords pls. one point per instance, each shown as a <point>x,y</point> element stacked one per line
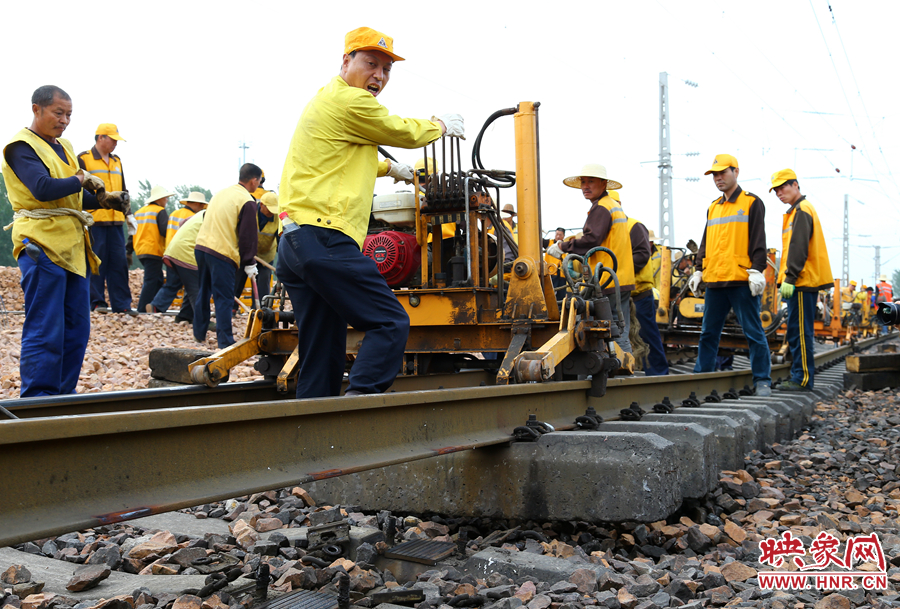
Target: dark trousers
<point>56,328</point>
<point>154,280</point>
<point>645,311</point>
<point>717,303</point>
<point>800,332</point>
<point>216,281</point>
<point>108,242</point>
<point>166,294</point>
<point>262,283</point>
<point>331,285</point>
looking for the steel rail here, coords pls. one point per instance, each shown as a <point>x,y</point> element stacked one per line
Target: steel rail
<point>65,473</point>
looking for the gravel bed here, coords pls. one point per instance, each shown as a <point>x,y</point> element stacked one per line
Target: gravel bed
<point>837,477</point>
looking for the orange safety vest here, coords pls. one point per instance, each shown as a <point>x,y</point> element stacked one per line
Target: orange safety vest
<point>147,240</point>
<point>619,241</point>
<point>643,279</point>
<point>176,219</point>
<point>884,292</point>
<point>728,239</point>
<point>816,272</point>
<point>114,179</point>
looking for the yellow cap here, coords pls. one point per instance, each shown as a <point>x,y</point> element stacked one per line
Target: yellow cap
<point>614,194</point>
<point>270,200</point>
<point>110,130</point>
<point>420,164</point>
<point>852,283</point>
<point>722,161</point>
<point>780,177</point>
<point>367,39</point>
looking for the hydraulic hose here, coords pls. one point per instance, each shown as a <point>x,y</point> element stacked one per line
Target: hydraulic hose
<point>499,181</point>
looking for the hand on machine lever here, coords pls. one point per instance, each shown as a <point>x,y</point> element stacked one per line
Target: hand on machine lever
<point>401,172</point>
<point>454,125</point>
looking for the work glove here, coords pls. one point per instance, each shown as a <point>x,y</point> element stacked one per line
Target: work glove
<point>554,251</point>
<point>251,271</point>
<point>787,290</point>
<point>694,282</point>
<point>454,124</point>
<point>118,200</point>
<point>90,182</point>
<point>132,225</point>
<point>401,172</point>
<point>757,282</point>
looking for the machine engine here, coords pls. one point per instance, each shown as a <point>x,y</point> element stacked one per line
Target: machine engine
<point>397,255</point>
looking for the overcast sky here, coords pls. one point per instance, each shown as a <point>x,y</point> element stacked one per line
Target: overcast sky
<point>781,84</point>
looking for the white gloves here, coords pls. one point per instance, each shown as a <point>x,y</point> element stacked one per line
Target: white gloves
<point>454,124</point>
<point>251,271</point>
<point>554,251</point>
<point>757,282</point>
<point>694,281</point>
<point>132,225</point>
<point>400,172</point>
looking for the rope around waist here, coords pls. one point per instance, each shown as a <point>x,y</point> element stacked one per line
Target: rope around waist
<point>84,217</point>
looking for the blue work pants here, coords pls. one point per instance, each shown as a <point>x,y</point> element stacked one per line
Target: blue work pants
<point>717,304</point>
<point>108,242</point>
<point>154,280</point>
<point>216,281</point>
<point>645,311</point>
<point>332,284</point>
<point>800,335</point>
<point>56,329</point>
<point>166,294</point>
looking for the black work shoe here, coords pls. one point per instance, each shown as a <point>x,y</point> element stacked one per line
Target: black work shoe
<point>792,386</point>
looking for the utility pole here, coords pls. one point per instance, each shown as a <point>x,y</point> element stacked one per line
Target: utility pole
<point>244,147</point>
<point>666,221</point>
<point>845,273</point>
<point>877,262</point>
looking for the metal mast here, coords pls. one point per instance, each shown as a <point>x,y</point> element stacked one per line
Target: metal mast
<point>877,262</point>
<point>845,274</point>
<point>666,224</point>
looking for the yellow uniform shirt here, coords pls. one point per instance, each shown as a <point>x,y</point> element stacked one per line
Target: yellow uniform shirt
<point>329,174</point>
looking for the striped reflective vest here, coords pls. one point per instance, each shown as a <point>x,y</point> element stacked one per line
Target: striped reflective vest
<point>112,176</point>
<point>816,269</point>
<point>727,240</point>
<point>619,241</point>
<point>176,219</point>
<point>147,240</point>
<point>268,245</point>
<point>643,279</point>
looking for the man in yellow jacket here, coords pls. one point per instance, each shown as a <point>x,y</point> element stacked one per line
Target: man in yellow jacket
<point>107,234</point>
<point>226,242</point>
<point>732,257</point>
<point>51,244</point>
<point>326,194</point>
<point>267,244</point>
<point>805,270</point>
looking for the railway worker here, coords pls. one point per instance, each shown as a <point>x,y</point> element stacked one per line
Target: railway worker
<point>181,259</point>
<point>326,190</point>
<point>884,291</point>
<point>107,235</point>
<point>267,245</point>
<point>732,258</point>
<point>226,242</point>
<point>195,203</point>
<point>643,300</point>
<point>150,243</point>
<point>805,270</point>
<point>557,278</point>
<point>51,244</point>
<point>605,226</point>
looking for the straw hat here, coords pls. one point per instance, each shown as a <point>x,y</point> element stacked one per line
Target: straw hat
<point>158,192</point>
<point>196,197</point>
<point>592,170</point>
<point>508,209</point>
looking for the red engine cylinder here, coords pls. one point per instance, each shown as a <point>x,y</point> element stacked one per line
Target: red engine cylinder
<point>397,255</point>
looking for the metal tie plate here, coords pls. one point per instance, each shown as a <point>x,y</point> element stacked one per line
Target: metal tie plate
<point>302,599</point>
<point>422,551</point>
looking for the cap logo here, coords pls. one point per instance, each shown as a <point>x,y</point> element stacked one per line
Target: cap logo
<point>382,43</point>
<point>716,161</point>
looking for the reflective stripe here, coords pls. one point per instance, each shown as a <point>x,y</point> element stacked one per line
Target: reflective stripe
<point>620,221</point>
<point>743,219</point>
<point>147,221</point>
<point>804,364</point>
<point>96,171</point>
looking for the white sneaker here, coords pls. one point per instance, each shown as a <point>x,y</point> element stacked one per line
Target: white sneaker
<point>763,390</point>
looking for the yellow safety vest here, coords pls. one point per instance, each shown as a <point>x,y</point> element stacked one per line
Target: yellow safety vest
<point>182,245</point>
<point>176,219</point>
<point>816,272</point>
<point>64,239</point>
<point>268,245</point>
<point>619,241</point>
<point>554,261</point>
<point>113,178</point>
<point>147,240</point>
<point>219,230</point>
<point>728,239</point>
<point>643,279</point>
<point>329,174</point>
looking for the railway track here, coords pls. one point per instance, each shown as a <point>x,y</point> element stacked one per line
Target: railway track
<point>73,462</point>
